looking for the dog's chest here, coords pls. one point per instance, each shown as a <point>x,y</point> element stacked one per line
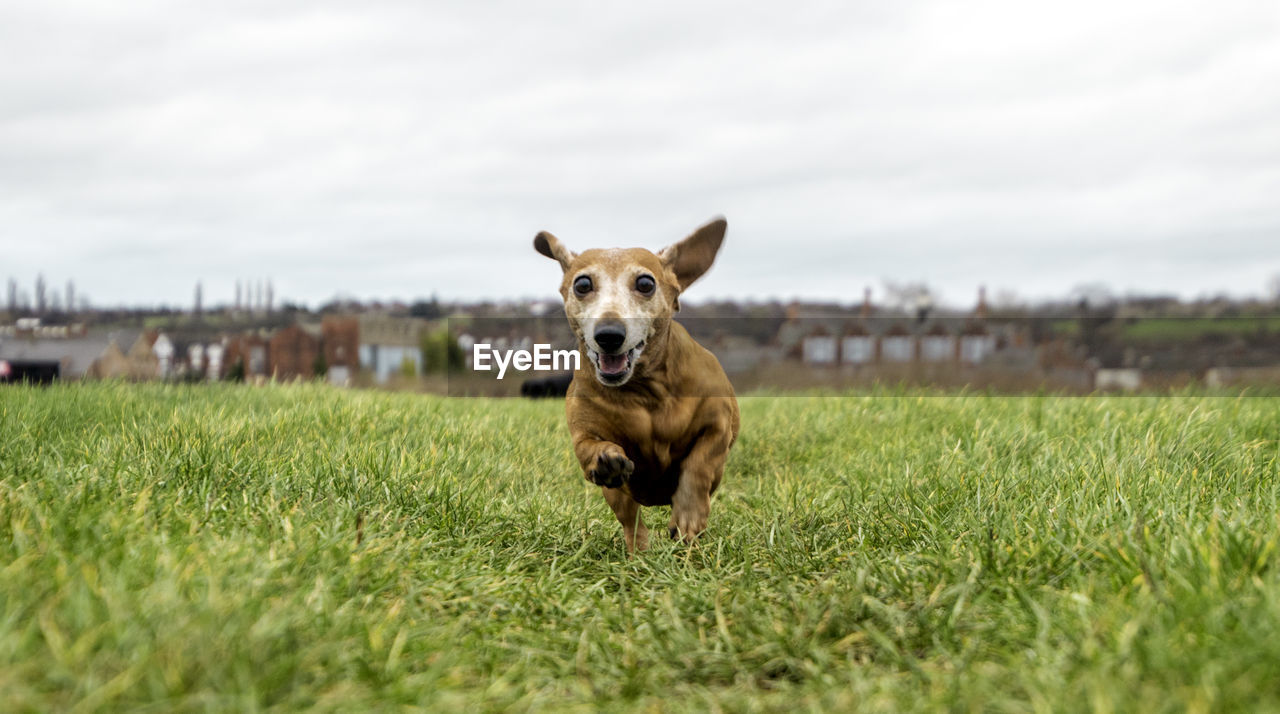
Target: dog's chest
<point>658,435</point>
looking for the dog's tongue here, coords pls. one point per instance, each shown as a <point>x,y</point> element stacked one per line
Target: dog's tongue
<point>613,364</point>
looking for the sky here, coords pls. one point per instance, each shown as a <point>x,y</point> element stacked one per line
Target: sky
<point>406,149</point>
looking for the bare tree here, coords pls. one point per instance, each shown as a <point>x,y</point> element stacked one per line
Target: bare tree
<point>13,295</point>
<point>907,296</point>
<point>71,296</point>
<point>1008,299</point>
<point>915,298</point>
<point>1092,296</point>
<point>41,300</point>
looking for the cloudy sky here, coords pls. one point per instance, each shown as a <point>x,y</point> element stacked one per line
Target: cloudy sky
<point>404,149</point>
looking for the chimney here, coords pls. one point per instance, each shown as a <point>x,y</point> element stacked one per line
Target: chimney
<point>981,311</point>
<point>866,303</point>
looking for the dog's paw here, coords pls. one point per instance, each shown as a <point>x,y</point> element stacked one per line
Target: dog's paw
<point>686,526</point>
<point>611,469</point>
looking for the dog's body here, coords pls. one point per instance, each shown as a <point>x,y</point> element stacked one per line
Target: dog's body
<point>651,412</point>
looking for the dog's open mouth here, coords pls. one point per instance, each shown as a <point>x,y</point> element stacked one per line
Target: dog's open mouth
<point>615,369</point>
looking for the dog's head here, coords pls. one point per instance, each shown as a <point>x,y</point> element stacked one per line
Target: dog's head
<point>619,301</point>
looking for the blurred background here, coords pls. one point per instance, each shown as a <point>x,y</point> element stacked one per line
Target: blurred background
<point>993,194</point>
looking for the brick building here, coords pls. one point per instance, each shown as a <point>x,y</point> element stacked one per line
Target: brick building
<point>293,351</point>
<point>340,339</point>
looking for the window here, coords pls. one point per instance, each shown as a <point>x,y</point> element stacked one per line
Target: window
<point>858,349</point>
<point>820,350</point>
<point>898,348</point>
<point>937,348</point>
<point>975,348</point>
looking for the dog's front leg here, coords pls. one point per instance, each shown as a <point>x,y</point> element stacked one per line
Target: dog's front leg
<point>628,513</point>
<point>604,463</point>
<point>699,475</point>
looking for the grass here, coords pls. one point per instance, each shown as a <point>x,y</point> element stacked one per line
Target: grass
<point>228,548</point>
<point>1173,328</point>
<point>1160,329</point>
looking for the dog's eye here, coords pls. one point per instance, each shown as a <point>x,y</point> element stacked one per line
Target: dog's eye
<point>582,285</point>
<point>645,284</point>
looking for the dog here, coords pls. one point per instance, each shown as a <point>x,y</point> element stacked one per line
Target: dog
<point>557,385</point>
<point>651,413</point>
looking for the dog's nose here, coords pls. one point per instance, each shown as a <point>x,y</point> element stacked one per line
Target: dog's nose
<point>610,336</point>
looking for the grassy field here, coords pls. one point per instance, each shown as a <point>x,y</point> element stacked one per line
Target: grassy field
<point>1161,329</point>
<point>1174,328</point>
<point>230,548</point>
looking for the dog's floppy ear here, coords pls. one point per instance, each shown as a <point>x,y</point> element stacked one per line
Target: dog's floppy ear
<point>691,257</point>
<point>550,246</point>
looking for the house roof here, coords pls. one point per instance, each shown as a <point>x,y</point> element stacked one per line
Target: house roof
<point>76,354</point>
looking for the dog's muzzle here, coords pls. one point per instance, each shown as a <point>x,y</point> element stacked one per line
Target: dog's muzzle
<point>613,370</point>
<point>613,364</point>
<point>610,337</point>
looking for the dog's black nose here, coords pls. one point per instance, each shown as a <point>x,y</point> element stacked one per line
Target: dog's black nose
<point>610,336</point>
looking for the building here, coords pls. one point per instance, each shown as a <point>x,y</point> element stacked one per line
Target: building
<point>294,352</point>
<point>340,340</point>
<point>894,339</point>
<point>78,353</point>
<point>247,353</point>
<point>391,346</point>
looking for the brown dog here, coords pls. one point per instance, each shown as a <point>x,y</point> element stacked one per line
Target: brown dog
<point>651,412</point>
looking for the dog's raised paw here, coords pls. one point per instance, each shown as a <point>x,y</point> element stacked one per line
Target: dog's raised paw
<point>611,470</point>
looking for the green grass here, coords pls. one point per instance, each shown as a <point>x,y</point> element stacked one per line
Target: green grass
<point>1159,329</point>
<point>1180,328</point>
<point>229,548</point>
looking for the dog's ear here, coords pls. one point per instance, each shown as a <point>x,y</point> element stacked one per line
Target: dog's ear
<point>550,246</point>
<point>691,257</point>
